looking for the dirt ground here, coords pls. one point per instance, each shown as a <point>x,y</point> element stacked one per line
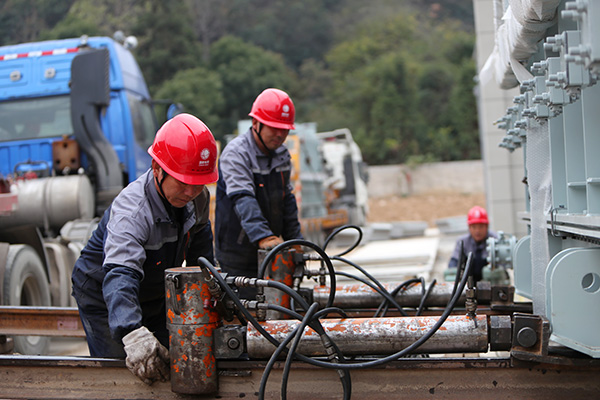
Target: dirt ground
<point>423,207</point>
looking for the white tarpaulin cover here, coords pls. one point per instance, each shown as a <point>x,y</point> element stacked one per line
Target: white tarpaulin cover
<point>518,29</point>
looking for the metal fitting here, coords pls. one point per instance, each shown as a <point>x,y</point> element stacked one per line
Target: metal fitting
<point>500,332</point>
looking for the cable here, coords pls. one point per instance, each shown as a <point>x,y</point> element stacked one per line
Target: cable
<point>294,242</point>
<point>292,350</point>
<point>338,230</point>
<point>349,366</point>
<point>319,328</point>
<point>383,307</point>
<point>425,296</point>
<point>285,342</point>
<point>384,293</point>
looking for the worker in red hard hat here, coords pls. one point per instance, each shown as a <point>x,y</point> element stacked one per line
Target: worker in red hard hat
<point>157,222</point>
<point>255,207</point>
<point>474,242</point>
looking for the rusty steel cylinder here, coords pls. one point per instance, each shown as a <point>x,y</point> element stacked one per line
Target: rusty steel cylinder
<point>378,336</point>
<point>191,322</point>
<point>363,296</point>
<point>281,270</point>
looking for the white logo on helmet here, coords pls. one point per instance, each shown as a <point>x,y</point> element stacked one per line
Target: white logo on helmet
<point>204,154</point>
<point>285,111</point>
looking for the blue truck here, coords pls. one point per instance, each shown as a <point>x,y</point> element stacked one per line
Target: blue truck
<point>76,120</point>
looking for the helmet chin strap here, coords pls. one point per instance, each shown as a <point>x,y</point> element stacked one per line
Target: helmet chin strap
<point>270,152</point>
<point>170,208</point>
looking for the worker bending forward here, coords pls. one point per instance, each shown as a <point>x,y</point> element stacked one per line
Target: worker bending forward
<point>256,208</point>
<point>155,223</point>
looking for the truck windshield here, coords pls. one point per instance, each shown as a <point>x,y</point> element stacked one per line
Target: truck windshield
<point>35,118</point>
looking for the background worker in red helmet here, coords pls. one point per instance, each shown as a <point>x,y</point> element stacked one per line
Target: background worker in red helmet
<point>155,223</point>
<point>255,207</point>
<point>474,241</point>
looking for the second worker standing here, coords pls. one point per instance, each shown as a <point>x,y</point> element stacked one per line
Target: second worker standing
<point>256,207</point>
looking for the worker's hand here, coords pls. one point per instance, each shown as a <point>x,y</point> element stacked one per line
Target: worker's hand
<point>269,242</point>
<point>146,357</point>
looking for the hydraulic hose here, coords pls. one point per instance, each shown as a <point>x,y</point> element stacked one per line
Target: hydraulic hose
<point>348,366</point>
<point>338,230</point>
<point>292,350</point>
<point>384,293</point>
<point>425,296</point>
<point>383,307</point>
<point>295,242</point>
<point>283,346</point>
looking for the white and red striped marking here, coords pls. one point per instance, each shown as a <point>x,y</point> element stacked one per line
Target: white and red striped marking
<point>55,52</point>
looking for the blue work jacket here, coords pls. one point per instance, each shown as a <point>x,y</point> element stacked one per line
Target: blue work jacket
<point>254,200</point>
<point>124,262</point>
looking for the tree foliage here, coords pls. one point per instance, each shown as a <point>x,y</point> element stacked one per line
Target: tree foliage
<point>398,73</point>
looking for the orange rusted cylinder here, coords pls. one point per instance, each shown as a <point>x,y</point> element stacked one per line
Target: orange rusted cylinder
<point>378,336</point>
<point>191,323</point>
<point>281,270</point>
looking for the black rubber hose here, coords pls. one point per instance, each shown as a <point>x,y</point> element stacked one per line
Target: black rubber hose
<point>301,242</point>
<point>288,290</point>
<point>384,293</point>
<point>318,328</point>
<point>292,350</point>
<point>338,230</point>
<point>348,366</point>
<point>414,345</point>
<point>282,346</point>
<point>459,267</point>
<point>425,296</point>
<point>384,304</point>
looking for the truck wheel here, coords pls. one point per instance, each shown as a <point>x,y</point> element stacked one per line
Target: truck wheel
<point>26,284</point>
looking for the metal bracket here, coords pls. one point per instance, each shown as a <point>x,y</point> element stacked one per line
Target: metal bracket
<point>531,335</point>
<point>230,342</point>
<point>553,211</point>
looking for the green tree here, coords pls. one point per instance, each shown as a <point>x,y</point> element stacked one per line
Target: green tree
<point>298,30</point>
<point>166,41</point>
<point>246,70</point>
<point>23,20</point>
<point>72,27</point>
<point>404,90</point>
<point>200,91</point>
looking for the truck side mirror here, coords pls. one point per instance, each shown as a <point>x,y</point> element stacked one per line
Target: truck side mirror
<point>90,93</point>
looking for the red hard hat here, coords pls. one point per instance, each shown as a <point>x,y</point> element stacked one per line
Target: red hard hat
<point>274,108</point>
<point>185,148</point>
<point>477,215</point>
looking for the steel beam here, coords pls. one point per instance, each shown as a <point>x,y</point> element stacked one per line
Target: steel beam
<point>356,336</point>
<point>41,321</point>
<point>448,378</point>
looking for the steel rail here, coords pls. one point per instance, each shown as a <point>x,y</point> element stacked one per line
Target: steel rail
<point>450,378</point>
<point>40,321</point>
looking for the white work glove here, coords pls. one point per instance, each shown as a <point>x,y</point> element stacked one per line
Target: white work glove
<point>146,357</point>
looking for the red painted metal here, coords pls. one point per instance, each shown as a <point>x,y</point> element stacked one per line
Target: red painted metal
<point>191,321</point>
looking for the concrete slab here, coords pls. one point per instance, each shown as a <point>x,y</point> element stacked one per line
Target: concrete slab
<point>392,260</point>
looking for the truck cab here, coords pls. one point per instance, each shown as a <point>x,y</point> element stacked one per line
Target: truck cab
<point>89,90</point>
<point>76,120</point>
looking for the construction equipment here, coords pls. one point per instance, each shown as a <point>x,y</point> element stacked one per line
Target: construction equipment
<point>76,119</point>
<point>551,51</point>
<point>329,179</point>
<point>547,344</point>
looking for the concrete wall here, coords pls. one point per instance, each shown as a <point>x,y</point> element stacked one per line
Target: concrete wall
<point>401,180</point>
